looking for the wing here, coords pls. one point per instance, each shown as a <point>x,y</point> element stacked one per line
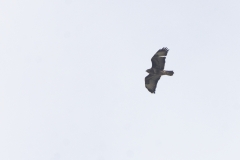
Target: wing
<point>151,82</point>
<point>158,61</point>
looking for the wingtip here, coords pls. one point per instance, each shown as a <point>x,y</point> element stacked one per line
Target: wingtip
<point>162,52</point>
<point>165,48</point>
<point>151,91</point>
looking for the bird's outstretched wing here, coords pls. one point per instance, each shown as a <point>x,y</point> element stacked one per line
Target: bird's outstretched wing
<point>151,82</point>
<point>158,61</point>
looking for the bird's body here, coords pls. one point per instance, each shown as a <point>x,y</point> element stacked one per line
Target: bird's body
<point>157,70</point>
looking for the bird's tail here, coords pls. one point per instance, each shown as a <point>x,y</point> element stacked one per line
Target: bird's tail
<point>169,73</point>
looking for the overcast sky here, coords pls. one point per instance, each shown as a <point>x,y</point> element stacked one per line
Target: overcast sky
<point>72,80</point>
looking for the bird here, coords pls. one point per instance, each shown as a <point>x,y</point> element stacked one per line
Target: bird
<point>157,70</point>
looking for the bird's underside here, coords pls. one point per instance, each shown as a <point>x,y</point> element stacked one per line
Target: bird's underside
<point>157,70</point>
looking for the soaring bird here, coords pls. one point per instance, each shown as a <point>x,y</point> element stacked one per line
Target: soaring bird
<point>158,63</point>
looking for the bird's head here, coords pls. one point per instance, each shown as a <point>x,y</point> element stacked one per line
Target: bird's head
<point>148,70</point>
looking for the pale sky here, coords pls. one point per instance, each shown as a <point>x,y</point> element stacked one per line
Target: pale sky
<point>72,80</point>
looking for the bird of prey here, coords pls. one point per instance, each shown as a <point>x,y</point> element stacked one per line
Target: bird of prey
<point>158,63</point>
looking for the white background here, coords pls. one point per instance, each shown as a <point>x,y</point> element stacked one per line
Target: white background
<point>72,80</point>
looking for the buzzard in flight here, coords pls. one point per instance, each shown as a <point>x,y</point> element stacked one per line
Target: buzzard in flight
<point>158,62</point>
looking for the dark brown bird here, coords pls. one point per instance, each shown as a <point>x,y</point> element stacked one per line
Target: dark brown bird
<point>155,73</point>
